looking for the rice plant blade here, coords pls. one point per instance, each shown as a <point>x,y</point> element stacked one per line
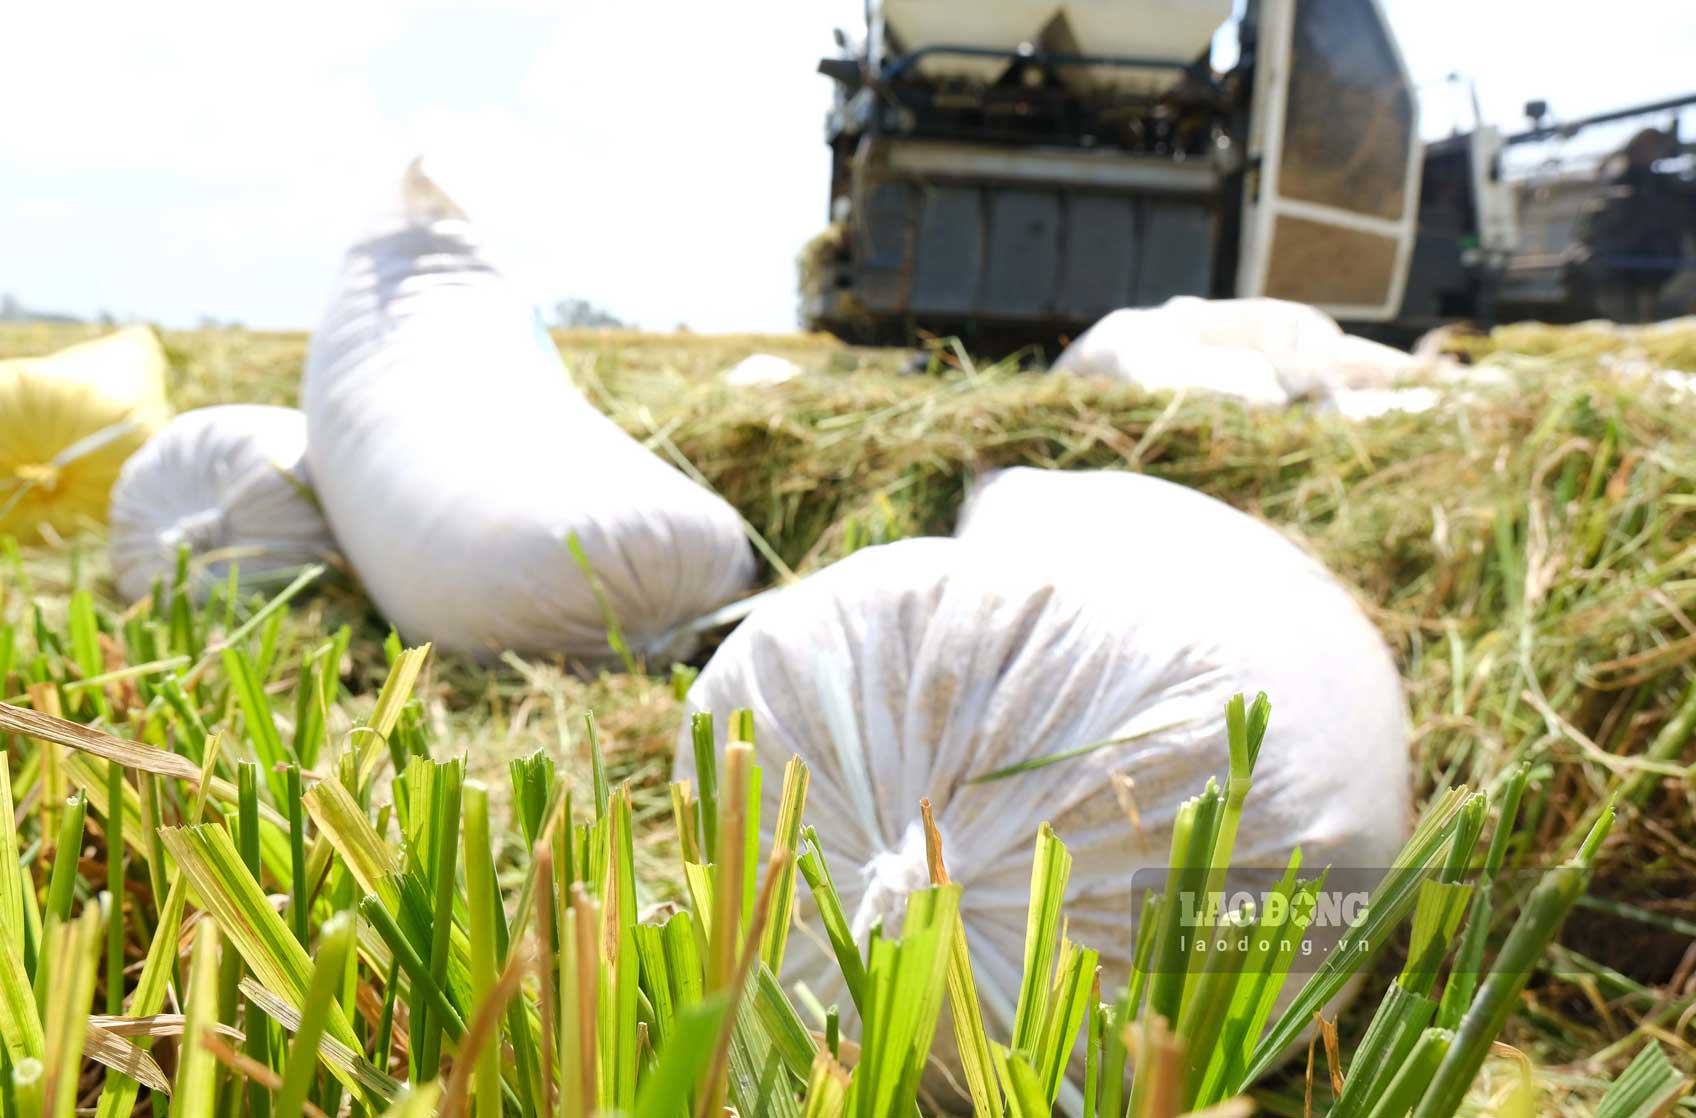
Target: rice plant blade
<point>337,1056</point>
<point>208,858</point>
<point>786,837</point>
<point>1389,904</point>
<point>11,873</point>
<point>8,643</point>
<point>1245,730</point>
<point>210,861</point>
<point>827,1090</point>
<point>1539,921</point>
<point>309,711</point>
<point>835,920</point>
<point>1646,1088</point>
<point>444,821</point>
<point>85,647</point>
<point>1085,750</point>
<point>118,1097</point>
<point>609,617</point>
<point>335,940</point>
<point>1395,1030</point>
<point>418,1101</point>
<point>75,962</point>
<point>391,700</point>
<point>1436,919</point>
<point>1207,1006</point>
<point>153,1026</point>
<point>906,982</point>
<point>533,782</point>
<point>759,1082</point>
<point>1192,843</point>
<point>970,1037</point>
<point>92,777</point>
<point>424,984</point>
<point>1409,1081</point>
<point>665,1090</point>
<point>1469,956</point>
<point>299,901</point>
<point>1279,925</point>
<point>344,824</point>
<point>130,754</point>
<point>682,939</point>
<point>706,780</point>
<point>482,899</point>
<point>620,947</point>
<point>56,913</point>
<point>249,688</point>
<point>61,887</point>
<point>20,1019</point>
<point>282,598</point>
<point>971,1040</point>
<point>111,1050</point>
<point>1099,1015</point>
<point>725,928</point>
<point>780,1022</point>
<point>196,1068</point>
<point>1020,1085</point>
<point>656,982</point>
<point>1074,977</point>
<point>1050,870</point>
<point>29,1082</point>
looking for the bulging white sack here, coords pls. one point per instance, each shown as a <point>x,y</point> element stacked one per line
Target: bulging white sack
<point>1300,341</point>
<point>1073,609</point>
<point>229,482</point>
<point>1142,346</point>
<point>761,368</point>
<point>1370,403</point>
<point>1238,347</point>
<point>1360,364</point>
<point>455,461</point>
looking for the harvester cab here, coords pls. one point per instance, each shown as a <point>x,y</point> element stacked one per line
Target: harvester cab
<point>1021,167</point>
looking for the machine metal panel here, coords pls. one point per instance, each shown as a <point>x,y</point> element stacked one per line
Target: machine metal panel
<point>949,257</point>
<point>1024,253</point>
<point>1100,256</point>
<point>887,239</point>
<point>1051,167</point>
<point>1498,213</point>
<point>1331,181</point>
<point>1328,265</point>
<point>1175,252</point>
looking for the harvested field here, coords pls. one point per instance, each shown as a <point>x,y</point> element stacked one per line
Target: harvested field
<point>1529,550</point>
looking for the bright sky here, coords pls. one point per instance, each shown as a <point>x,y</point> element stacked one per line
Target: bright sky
<point>662,158</point>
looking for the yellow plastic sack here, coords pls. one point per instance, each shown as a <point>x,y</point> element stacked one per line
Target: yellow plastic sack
<point>67,423</point>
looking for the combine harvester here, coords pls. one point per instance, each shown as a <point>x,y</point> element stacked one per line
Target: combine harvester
<point>1014,169</point>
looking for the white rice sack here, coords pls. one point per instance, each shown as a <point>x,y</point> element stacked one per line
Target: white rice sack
<point>1361,363</point>
<point>761,368</point>
<point>1297,339</point>
<point>1239,347</point>
<point>456,461</point>
<point>1370,403</point>
<point>1142,347</point>
<point>1679,382</point>
<point>230,483</point>
<point>1074,609</point>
